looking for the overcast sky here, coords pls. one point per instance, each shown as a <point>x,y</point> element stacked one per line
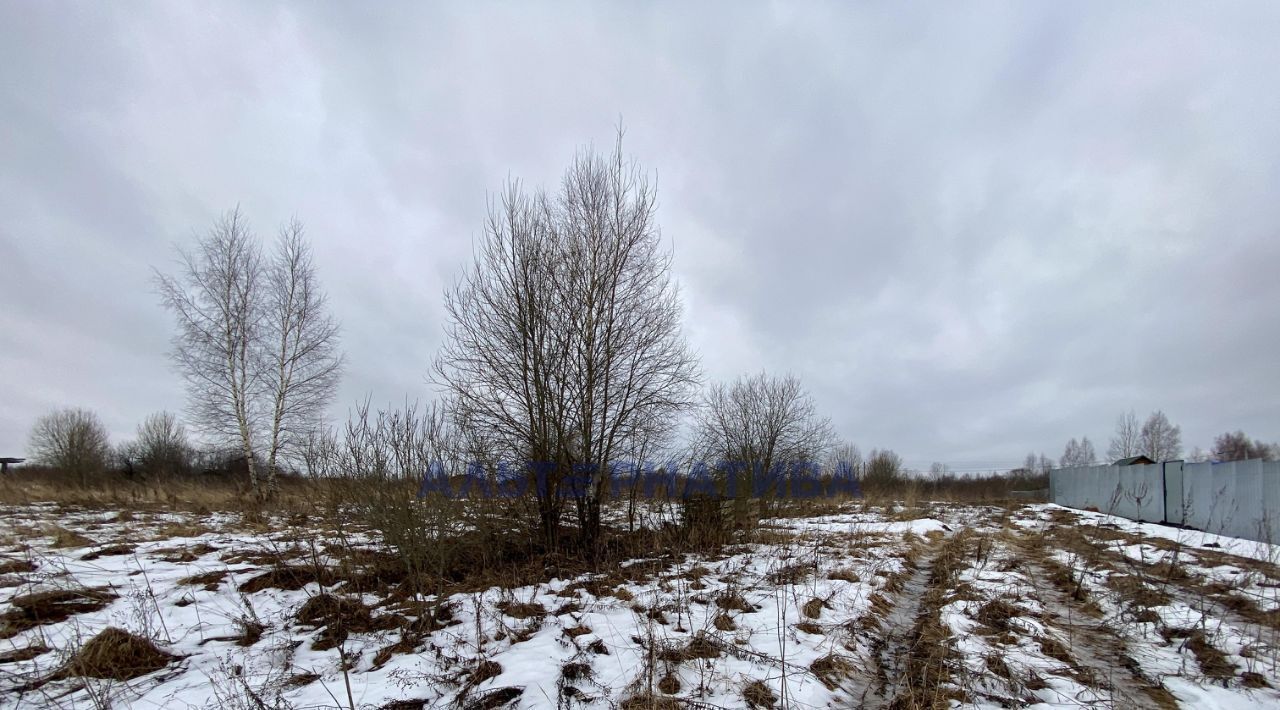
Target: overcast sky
<point>973,230</point>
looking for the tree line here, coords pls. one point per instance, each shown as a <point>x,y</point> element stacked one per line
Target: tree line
<point>1157,439</point>
<point>563,347</point>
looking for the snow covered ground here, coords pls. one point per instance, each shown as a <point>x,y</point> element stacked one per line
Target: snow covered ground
<point>944,605</point>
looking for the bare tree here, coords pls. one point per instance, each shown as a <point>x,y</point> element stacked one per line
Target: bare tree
<point>303,361</point>
<point>761,426</point>
<point>1161,441</point>
<point>1078,453</point>
<point>1236,446</point>
<point>1086,453</point>
<point>161,446</point>
<point>255,344</point>
<point>1070,454</point>
<point>847,461</point>
<point>564,344</point>
<point>71,440</point>
<point>883,470</point>
<point>1127,440</point>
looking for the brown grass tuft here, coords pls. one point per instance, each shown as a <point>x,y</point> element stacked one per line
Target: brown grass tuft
<point>809,627</point>
<point>25,653</point>
<point>63,538</point>
<point>522,610</point>
<point>997,613</point>
<point>669,684</point>
<point>288,577</point>
<point>11,566</point>
<point>831,669</point>
<point>733,601</point>
<point>109,551</point>
<point>115,654</point>
<point>649,702</point>
<point>208,580</point>
<point>759,696</point>
<point>844,574</point>
<point>50,607</point>
<point>813,608</point>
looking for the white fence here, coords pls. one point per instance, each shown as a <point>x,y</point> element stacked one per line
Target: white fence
<point>1237,498</point>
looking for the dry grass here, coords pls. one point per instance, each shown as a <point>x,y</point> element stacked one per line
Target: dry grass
<point>64,538</point>
<point>844,574</point>
<point>813,608</point>
<point>832,669</point>
<point>115,654</point>
<point>759,696</point>
<point>208,580</point>
<point>25,653</point>
<point>288,577</point>
<point>12,566</point>
<point>733,601</point>
<point>522,610</point>
<point>649,702</point>
<point>109,551</point>
<point>996,614</point>
<point>50,607</point>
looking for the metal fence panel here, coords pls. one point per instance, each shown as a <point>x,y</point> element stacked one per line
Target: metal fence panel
<point>1173,510</point>
<point>1240,498</point>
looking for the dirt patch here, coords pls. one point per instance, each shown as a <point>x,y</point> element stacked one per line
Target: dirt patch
<point>1055,649</point>
<point>115,654</point>
<point>32,610</point>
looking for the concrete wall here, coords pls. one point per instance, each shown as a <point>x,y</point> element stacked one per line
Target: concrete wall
<point>1236,498</point>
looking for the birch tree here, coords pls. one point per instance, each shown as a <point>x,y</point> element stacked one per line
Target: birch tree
<point>255,342</point>
<point>303,363</point>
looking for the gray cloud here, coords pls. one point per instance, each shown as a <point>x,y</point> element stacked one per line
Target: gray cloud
<point>973,231</point>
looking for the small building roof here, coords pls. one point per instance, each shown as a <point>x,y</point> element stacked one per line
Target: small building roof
<point>1133,461</point>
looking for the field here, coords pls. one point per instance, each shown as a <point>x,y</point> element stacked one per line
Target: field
<point>855,605</point>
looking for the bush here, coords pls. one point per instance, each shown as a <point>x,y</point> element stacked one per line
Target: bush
<point>73,441</point>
